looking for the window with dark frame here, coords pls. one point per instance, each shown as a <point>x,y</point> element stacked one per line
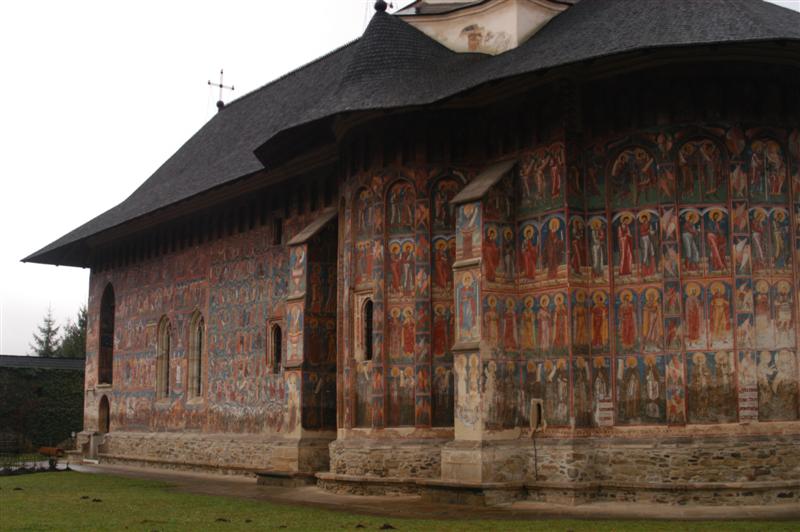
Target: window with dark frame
<point>162,358</point>
<point>277,345</point>
<point>368,330</point>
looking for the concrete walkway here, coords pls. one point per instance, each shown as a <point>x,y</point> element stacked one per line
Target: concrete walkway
<point>412,505</point>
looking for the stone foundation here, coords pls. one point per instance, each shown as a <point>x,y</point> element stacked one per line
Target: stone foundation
<point>391,458</point>
<point>709,470</point>
<point>228,453</point>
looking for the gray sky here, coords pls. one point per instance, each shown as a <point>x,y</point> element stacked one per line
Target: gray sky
<point>98,94</point>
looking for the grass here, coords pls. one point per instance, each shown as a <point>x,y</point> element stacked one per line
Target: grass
<point>80,501</point>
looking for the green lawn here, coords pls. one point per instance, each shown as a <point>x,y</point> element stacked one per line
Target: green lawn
<point>80,501</point>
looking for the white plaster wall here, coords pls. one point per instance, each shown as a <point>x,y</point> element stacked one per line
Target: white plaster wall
<point>502,25</point>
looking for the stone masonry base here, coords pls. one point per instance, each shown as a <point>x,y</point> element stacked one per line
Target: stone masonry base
<point>227,453</point>
<point>720,470</point>
<point>390,458</point>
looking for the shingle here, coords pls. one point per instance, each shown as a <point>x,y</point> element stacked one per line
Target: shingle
<point>394,65</point>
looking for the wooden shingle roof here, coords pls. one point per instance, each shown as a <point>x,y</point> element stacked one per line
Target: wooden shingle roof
<point>393,65</point>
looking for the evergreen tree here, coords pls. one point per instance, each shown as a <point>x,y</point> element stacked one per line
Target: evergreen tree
<point>46,344</point>
<point>73,342</point>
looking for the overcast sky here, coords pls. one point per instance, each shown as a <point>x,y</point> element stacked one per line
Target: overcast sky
<point>97,94</point>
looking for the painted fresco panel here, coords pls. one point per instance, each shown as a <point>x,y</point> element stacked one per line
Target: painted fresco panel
<point>702,172</point>
<point>294,324</point>
<point>759,240</point>
<point>641,390</point>
<point>467,318</point>
<point>553,247</point>
<point>599,322</point>
<point>634,178</point>
<point>443,333</point>
<point>363,392</point>
<point>602,397</point>
<point>581,392</point>
<point>767,169</point>
<point>500,383</point>
<point>401,382</point>
<point>468,380</point>
<point>595,179</point>
<point>711,387</point>
<point>297,271</point>
<point>623,224</point>
<point>676,395</point>
<point>400,216</point>
<point>651,318</point>
<point>468,230</point>
<point>556,391</point>
<point>580,322</point>
<point>542,179</point>
<point>529,253</point>
<point>716,249</point>
<point>598,248</point>
<point>748,386</point>
<point>628,328</point>
<point>578,264</point>
<point>442,397</point>
<point>694,315</point>
<point>777,385</point>
<point>442,272</point>
<point>720,325</point>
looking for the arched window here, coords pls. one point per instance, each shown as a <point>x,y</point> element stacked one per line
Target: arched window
<point>276,344</point>
<point>103,416</point>
<point>197,332</point>
<point>163,351</point>
<point>368,329</point>
<point>105,365</point>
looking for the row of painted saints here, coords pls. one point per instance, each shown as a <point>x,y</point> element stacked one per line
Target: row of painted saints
<point>699,387</point>
<point>667,168</point>
<point>647,319</point>
<point>697,171</point>
<point>647,245</point>
<point>405,211</point>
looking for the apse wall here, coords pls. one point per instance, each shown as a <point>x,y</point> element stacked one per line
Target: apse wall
<point>649,282</point>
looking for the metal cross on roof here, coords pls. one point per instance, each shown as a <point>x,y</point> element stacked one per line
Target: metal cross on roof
<point>220,104</point>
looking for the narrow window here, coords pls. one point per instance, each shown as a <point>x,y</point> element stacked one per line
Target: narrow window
<point>162,358</point>
<point>277,231</point>
<point>106,352</point>
<point>277,345</point>
<point>196,346</point>
<point>368,330</point>
<point>104,416</point>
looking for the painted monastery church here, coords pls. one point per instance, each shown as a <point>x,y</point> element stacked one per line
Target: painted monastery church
<point>491,250</point>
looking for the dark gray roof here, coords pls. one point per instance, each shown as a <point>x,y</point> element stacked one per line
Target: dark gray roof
<point>11,361</point>
<point>393,65</point>
<point>421,7</point>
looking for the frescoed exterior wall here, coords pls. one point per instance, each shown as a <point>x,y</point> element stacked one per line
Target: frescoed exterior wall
<point>633,284</point>
<point>241,283</point>
<point>401,233</point>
